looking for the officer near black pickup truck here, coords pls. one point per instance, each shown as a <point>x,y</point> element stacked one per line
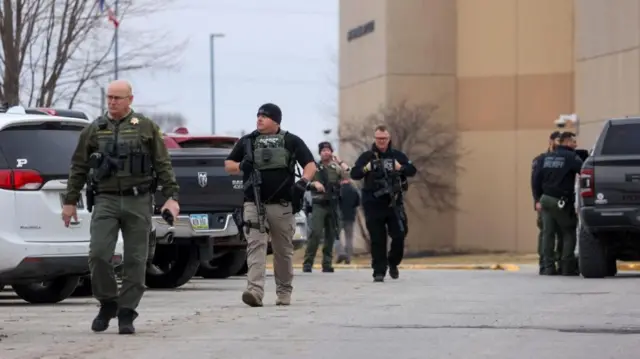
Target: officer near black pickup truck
<point>535,165</point>
<point>266,157</point>
<point>325,189</point>
<point>553,186</point>
<point>117,153</point>
<point>384,170</point>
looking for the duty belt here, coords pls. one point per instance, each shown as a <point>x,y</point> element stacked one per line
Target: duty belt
<point>131,192</point>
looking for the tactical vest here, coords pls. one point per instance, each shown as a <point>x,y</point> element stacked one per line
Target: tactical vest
<point>123,142</point>
<point>269,152</point>
<point>329,176</point>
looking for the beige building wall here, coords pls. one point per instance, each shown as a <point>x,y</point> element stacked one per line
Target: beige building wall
<point>502,70</point>
<point>515,75</point>
<point>607,81</point>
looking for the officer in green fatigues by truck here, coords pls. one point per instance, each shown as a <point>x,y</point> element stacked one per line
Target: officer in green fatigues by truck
<point>325,189</point>
<point>117,154</point>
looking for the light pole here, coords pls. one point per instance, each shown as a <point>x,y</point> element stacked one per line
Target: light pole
<point>213,82</point>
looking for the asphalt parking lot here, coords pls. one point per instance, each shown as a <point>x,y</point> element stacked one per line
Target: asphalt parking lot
<point>425,314</point>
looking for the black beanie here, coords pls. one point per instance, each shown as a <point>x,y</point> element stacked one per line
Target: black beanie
<point>324,144</point>
<point>272,111</point>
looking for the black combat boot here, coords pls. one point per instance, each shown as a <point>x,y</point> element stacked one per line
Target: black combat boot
<point>108,311</point>
<point>549,270</point>
<point>126,317</point>
<point>393,272</point>
<point>341,259</point>
<point>569,268</point>
<point>328,269</point>
<point>307,268</point>
<point>378,278</point>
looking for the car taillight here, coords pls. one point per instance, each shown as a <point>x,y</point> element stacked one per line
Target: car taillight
<point>21,180</point>
<point>586,183</point>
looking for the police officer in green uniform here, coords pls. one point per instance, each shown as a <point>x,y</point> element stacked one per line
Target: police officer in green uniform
<point>554,196</point>
<point>119,152</point>
<point>270,153</point>
<point>325,189</point>
<point>535,166</point>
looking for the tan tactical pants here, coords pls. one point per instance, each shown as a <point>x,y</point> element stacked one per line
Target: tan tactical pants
<point>281,223</point>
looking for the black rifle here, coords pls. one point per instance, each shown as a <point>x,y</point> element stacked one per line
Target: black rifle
<point>91,194</point>
<point>255,181</point>
<point>392,186</point>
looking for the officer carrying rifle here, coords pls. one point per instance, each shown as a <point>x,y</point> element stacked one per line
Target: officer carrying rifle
<point>325,189</point>
<point>384,171</point>
<point>267,157</point>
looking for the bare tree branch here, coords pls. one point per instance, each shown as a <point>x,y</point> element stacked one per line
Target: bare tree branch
<point>56,51</point>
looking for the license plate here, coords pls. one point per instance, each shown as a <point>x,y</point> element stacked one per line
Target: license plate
<point>199,222</point>
<point>79,205</point>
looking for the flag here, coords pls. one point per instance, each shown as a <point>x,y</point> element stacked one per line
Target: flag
<point>111,15</point>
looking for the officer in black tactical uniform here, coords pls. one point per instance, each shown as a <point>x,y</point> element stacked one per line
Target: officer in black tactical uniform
<point>382,169</point>
<point>553,187</point>
<point>535,166</point>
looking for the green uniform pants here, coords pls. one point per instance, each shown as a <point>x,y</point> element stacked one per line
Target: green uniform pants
<point>322,220</point>
<point>132,216</point>
<point>565,220</point>
<point>558,240</point>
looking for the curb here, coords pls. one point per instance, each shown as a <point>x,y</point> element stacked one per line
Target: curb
<point>497,266</point>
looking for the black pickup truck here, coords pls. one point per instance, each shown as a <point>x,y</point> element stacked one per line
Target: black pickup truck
<point>609,200</point>
<point>208,198</point>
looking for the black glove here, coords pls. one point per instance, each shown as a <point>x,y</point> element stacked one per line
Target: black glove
<point>297,196</point>
<point>246,165</point>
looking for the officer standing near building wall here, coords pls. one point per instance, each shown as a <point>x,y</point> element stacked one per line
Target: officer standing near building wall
<point>273,155</point>
<point>554,196</point>
<point>325,188</point>
<point>378,167</point>
<point>119,152</point>
<point>535,166</point>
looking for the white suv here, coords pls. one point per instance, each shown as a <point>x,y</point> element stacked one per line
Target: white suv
<point>40,258</point>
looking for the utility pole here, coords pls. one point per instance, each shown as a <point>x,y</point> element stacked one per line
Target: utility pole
<point>213,82</point>
<point>115,43</point>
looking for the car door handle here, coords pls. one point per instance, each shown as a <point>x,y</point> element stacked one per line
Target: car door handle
<point>75,223</point>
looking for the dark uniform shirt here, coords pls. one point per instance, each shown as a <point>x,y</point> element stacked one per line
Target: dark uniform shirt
<point>370,186</point>
<point>555,174</point>
<point>536,164</point>
<point>151,138</point>
<point>276,183</point>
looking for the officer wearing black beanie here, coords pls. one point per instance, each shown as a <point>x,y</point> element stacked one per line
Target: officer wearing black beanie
<point>273,155</point>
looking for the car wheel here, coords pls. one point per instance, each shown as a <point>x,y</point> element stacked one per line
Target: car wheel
<point>52,291</point>
<point>84,288</point>
<point>226,265</point>
<point>179,263</point>
<point>592,255</point>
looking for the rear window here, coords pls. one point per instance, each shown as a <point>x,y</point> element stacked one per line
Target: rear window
<point>45,147</point>
<point>623,139</point>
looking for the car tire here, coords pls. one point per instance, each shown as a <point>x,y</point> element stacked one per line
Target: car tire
<point>84,288</point>
<point>226,265</point>
<point>179,264</point>
<point>53,291</point>
<point>244,269</point>
<point>612,266</point>
<point>592,255</point>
